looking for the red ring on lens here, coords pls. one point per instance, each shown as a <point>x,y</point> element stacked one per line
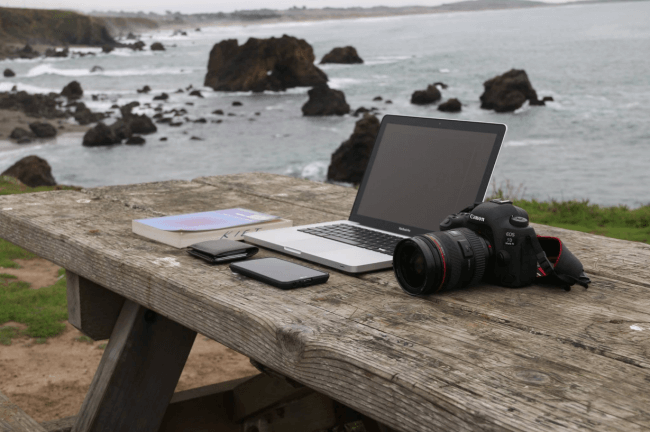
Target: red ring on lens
<point>444,262</point>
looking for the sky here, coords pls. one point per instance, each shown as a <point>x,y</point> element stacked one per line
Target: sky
<point>196,6</point>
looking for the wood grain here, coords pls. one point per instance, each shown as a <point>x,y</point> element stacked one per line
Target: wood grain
<point>92,309</point>
<point>486,358</point>
<point>137,375</point>
<point>13,419</point>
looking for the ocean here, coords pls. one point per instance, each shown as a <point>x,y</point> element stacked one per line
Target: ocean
<point>592,142</point>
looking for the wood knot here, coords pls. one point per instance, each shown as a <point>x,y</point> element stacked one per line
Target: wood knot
<point>534,377</point>
<point>293,339</point>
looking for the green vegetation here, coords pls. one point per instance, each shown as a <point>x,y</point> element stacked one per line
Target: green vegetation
<point>618,222</point>
<point>84,339</point>
<point>43,311</point>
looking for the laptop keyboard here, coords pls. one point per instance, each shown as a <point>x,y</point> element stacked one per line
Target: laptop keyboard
<point>356,236</point>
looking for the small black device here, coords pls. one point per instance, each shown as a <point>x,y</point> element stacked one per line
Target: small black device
<point>221,251</point>
<point>491,241</point>
<point>280,273</point>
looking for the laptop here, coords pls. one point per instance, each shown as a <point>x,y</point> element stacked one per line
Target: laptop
<point>420,171</point>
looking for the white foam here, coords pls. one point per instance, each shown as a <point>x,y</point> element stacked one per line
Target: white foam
<point>528,142</point>
<point>48,69</point>
<point>7,86</point>
<point>343,82</point>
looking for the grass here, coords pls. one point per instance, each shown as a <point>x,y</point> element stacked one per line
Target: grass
<point>618,222</point>
<point>43,311</point>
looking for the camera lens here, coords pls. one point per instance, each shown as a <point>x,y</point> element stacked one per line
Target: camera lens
<point>441,261</point>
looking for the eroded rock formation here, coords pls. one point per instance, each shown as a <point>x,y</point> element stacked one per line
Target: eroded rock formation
<point>350,160</point>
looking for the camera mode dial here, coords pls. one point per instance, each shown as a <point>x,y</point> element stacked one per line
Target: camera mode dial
<point>518,221</point>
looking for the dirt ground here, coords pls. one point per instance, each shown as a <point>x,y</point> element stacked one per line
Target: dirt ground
<point>49,381</point>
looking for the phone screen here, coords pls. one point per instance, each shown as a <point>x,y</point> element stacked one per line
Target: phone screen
<point>279,272</point>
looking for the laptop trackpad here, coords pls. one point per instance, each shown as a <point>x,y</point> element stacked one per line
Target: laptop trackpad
<point>316,245</point>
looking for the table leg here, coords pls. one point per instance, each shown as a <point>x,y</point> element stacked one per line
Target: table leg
<point>138,373</point>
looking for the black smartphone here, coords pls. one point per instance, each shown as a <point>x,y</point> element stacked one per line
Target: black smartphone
<point>280,273</point>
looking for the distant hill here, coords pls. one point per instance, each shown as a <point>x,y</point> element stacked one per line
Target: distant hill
<point>58,27</point>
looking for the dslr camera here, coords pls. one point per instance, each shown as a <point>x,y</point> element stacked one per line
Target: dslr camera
<point>491,242</point>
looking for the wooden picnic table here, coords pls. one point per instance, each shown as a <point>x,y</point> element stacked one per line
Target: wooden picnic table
<point>482,358</point>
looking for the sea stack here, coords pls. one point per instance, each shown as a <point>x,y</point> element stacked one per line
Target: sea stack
<point>350,160</point>
<point>274,64</point>
<point>344,55</point>
<point>324,101</point>
<point>508,92</point>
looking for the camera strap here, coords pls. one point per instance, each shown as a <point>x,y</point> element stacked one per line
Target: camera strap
<point>556,264</point>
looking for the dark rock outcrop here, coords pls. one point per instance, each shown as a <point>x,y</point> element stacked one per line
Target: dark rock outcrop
<point>324,101</point>
<point>441,85</point>
<point>237,103</point>
<point>157,46</point>
<point>162,96</point>
<point>131,36</point>
<point>217,112</point>
<point>43,130</point>
<point>146,89</point>
<point>84,116</point>
<point>122,130</point>
<point>100,135</point>
<point>274,64</point>
<point>8,73</point>
<point>140,124</point>
<point>508,92</point>
<point>72,91</point>
<point>350,160</point>
<point>196,93</point>
<point>34,105</point>
<point>135,140</point>
<point>345,55</point>
<point>452,105</point>
<point>96,69</point>
<point>20,134</point>
<point>53,52</point>
<point>32,171</point>
<point>548,99</point>
<point>106,49</point>
<point>426,97</point>
<point>377,99</point>
<point>27,52</point>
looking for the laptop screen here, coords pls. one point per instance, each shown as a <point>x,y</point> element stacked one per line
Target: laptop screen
<point>418,175</point>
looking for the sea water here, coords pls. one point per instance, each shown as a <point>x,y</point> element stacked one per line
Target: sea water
<point>592,142</point>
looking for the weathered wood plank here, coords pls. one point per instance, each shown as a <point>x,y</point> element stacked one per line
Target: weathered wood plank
<point>92,309</point>
<point>13,419</point>
<point>60,425</point>
<point>137,375</point>
<point>449,376</point>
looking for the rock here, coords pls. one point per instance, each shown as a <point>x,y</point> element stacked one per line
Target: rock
<point>237,103</point>
<point>349,161</point>
<point>452,105</point>
<point>179,33</point>
<point>20,133</point>
<point>196,93</point>
<point>135,140</point>
<point>43,130</point>
<point>441,85</point>
<point>325,101</point>
<point>34,105</point>
<point>32,171</point>
<point>360,110</point>
<point>107,49</point>
<point>198,29</point>
<point>163,139</point>
<point>126,109</point>
<point>121,129</point>
<point>52,52</point>
<point>425,97</point>
<point>140,124</point>
<point>195,138</point>
<point>24,141</point>
<point>131,36</point>
<point>548,99</point>
<point>345,55</point>
<point>377,98</point>
<point>217,112</point>
<point>27,52</point>
<point>72,91</point>
<point>157,46</point>
<point>85,116</point>
<point>100,135</point>
<point>146,89</point>
<point>508,92</point>
<point>232,114</point>
<point>200,120</point>
<point>190,103</point>
<point>274,64</point>
<point>8,73</point>
<point>137,46</point>
<point>162,96</point>
<point>258,113</point>
<point>180,91</point>
<point>96,69</point>
<point>388,101</point>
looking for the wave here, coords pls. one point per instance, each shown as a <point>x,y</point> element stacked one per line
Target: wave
<point>48,69</point>
<point>316,171</point>
<point>528,142</point>
<point>338,83</point>
<point>7,86</point>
